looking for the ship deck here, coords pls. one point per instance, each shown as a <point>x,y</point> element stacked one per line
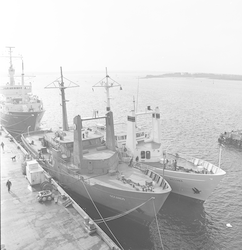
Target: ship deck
<point>133,180</point>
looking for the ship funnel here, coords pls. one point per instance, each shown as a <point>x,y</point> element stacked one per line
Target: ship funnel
<point>78,155</point>
<point>110,141</point>
<point>156,125</point>
<point>131,132</point>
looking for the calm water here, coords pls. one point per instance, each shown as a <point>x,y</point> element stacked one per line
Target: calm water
<point>193,114</point>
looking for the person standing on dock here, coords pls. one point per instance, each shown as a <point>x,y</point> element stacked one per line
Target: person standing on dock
<point>9,184</point>
<point>2,145</point>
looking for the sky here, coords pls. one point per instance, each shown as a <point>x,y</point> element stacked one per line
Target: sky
<point>126,35</point>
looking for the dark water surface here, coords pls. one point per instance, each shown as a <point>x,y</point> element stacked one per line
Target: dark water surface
<point>193,114</point>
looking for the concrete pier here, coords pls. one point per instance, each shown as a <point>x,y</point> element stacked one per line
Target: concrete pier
<point>29,224</point>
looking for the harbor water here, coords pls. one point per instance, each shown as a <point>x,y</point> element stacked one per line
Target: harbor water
<point>193,114</point>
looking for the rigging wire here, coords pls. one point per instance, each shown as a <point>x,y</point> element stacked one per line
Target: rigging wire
<point>18,122</point>
<point>101,215</point>
<point>122,214</point>
<point>158,226</point>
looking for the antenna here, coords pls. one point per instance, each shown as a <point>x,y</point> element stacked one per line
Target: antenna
<point>104,83</point>
<point>59,83</point>
<point>11,70</point>
<point>22,76</point>
<point>10,55</point>
<point>137,96</point>
<point>134,102</point>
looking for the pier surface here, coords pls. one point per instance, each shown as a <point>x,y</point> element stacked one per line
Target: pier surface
<point>28,224</point>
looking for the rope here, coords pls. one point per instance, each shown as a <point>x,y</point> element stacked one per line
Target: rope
<point>18,122</point>
<point>158,226</point>
<point>14,131</point>
<point>101,215</point>
<point>121,215</point>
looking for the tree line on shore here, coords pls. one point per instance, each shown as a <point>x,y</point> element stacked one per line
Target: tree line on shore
<point>198,75</point>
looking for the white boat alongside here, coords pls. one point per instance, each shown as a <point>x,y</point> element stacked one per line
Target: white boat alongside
<point>190,177</point>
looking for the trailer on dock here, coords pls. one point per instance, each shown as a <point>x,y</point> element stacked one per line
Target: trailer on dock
<point>34,172</point>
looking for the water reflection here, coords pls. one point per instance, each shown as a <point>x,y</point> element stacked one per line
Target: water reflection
<point>182,223</point>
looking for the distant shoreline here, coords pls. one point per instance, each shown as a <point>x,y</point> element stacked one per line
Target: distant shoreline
<point>198,75</point>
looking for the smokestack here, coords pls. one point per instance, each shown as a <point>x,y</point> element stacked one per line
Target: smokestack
<point>156,125</point>
<point>110,141</point>
<point>78,156</point>
<point>131,132</point>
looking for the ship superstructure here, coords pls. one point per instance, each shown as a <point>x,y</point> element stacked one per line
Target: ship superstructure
<point>20,110</point>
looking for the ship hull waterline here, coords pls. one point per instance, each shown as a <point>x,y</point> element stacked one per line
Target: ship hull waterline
<point>196,186</point>
<point>117,201</point>
<point>17,123</point>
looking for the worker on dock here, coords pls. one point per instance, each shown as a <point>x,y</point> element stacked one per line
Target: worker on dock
<point>2,145</point>
<point>9,184</point>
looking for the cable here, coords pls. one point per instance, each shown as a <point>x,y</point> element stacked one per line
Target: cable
<point>157,225</point>
<point>122,214</point>
<point>18,122</point>
<point>101,215</point>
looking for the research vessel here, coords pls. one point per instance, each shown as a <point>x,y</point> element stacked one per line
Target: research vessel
<point>20,110</point>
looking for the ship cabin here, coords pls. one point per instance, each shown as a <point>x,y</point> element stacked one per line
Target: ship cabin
<point>17,105</point>
<point>16,90</point>
<point>148,151</point>
<point>89,155</point>
<point>121,137</point>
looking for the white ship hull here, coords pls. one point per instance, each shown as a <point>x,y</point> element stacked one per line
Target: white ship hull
<point>196,186</point>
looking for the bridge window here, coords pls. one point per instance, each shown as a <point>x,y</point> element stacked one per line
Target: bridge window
<point>147,154</point>
<point>142,155</point>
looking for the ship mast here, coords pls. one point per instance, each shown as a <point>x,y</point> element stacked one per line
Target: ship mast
<point>104,83</point>
<point>63,99</point>
<point>22,78</point>
<point>62,87</point>
<point>11,70</point>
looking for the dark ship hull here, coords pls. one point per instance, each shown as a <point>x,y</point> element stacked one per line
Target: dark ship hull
<point>17,123</point>
<point>233,138</point>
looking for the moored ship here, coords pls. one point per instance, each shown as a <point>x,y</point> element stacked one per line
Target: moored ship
<point>20,110</point>
<point>87,166</point>
<point>233,138</point>
<point>188,176</point>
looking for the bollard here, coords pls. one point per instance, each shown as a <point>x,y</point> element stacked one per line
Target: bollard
<point>86,219</point>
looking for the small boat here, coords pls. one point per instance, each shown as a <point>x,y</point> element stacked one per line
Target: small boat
<point>191,177</point>
<point>20,110</point>
<point>82,163</point>
<point>231,138</point>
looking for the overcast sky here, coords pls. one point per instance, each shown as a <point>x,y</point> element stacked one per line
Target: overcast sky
<point>166,36</point>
